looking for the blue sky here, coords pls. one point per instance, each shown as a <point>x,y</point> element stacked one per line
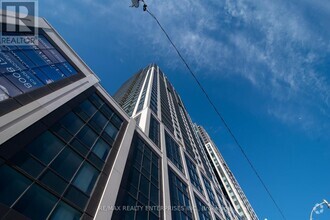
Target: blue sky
<point>265,64</point>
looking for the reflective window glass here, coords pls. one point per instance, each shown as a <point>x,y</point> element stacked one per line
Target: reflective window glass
<point>28,164</point>
<point>107,111</point>
<point>86,178</point>
<point>85,110</point>
<point>116,121</point>
<point>64,211</point>
<point>203,210</point>
<point>101,149</point>
<point>98,102</point>
<point>67,163</point>
<point>36,203</point>
<point>72,122</point>
<point>96,161</point>
<point>111,130</point>
<point>78,146</point>
<point>12,185</point>
<point>53,181</point>
<point>45,147</point>
<point>98,121</point>
<point>62,132</point>
<point>87,136</point>
<point>77,197</point>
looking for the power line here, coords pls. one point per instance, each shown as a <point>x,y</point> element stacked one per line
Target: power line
<point>219,114</point>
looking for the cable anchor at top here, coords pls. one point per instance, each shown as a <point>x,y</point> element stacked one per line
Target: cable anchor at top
<point>136,4</point>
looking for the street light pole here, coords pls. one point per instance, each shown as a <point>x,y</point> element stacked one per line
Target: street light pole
<point>318,205</point>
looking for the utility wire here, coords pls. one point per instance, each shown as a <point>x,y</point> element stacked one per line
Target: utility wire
<point>219,114</point>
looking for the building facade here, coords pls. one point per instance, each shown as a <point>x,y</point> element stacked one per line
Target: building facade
<point>229,184</point>
<point>68,150</point>
<point>150,98</point>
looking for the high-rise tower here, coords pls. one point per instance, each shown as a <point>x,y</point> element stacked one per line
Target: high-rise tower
<point>230,186</point>
<point>150,98</point>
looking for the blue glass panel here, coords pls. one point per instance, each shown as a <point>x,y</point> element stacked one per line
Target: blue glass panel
<point>29,67</point>
<point>24,80</point>
<point>10,63</point>
<point>101,149</point>
<point>37,57</point>
<point>87,136</point>
<point>67,69</point>
<point>42,76</point>
<point>77,197</point>
<point>45,147</point>
<point>52,72</point>
<point>53,181</point>
<point>57,55</point>
<point>36,203</point>
<point>72,123</point>
<point>116,120</point>
<point>96,161</point>
<point>64,211</point>
<point>67,163</point>
<point>24,59</point>
<point>86,178</point>
<point>50,56</point>
<point>78,146</point>
<point>12,185</point>
<point>97,101</point>
<point>111,130</point>
<point>28,164</point>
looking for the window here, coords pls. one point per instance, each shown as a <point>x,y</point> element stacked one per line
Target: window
<point>97,101</point>
<point>45,147</point>
<point>203,211</point>
<point>111,130</point>
<point>143,185</point>
<point>72,123</point>
<point>86,178</point>
<point>96,161</point>
<point>227,216</point>
<point>154,130</point>
<point>179,196</point>
<point>116,121</point>
<point>27,163</point>
<point>64,163</point>
<point>220,200</point>
<point>87,136</point>
<point>61,132</point>
<point>67,163</point>
<point>217,217</point>
<point>12,185</point>
<point>85,110</point>
<point>154,93</point>
<point>210,192</point>
<point>173,151</point>
<point>101,149</point>
<point>53,181</point>
<point>76,196</point>
<point>78,146</point>
<point>107,111</point>
<point>36,203</point>
<point>98,122</point>
<point>194,179</point>
<point>64,211</point>
<point>27,64</point>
